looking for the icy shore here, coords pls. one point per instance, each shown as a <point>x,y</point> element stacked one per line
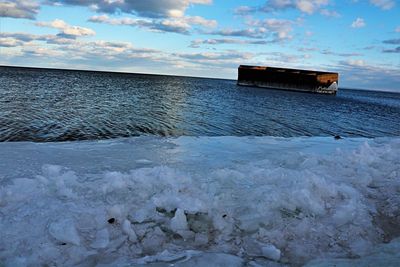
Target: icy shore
<point>245,201</point>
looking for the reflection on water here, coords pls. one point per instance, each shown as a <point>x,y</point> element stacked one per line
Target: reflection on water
<point>56,105</point>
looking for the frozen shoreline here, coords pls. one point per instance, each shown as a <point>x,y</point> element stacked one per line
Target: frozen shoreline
<point>262,200</point>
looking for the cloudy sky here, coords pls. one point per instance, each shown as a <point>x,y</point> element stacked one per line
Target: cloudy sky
<point>358,38</point>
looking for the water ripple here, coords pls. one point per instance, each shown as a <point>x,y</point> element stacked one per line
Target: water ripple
<point>55,105</point>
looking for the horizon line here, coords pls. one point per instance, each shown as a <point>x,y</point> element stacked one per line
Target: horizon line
<point>115,72</point>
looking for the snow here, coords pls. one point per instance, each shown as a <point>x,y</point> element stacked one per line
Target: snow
<point>127,229</point>
<point>387,255</point>
<point>65,231</point>
<point>271,252</point>
<point>179,221</point>
<point>197,201</point>
<point>102,239</point>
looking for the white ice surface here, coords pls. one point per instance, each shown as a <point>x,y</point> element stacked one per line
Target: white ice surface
<point>191,201</point>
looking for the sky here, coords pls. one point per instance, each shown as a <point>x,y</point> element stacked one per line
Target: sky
<point>360,39</point>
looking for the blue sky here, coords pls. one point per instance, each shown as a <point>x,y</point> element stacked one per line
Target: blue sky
<point>209,38</point>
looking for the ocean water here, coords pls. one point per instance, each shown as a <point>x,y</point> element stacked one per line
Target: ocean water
<point>57,105</point>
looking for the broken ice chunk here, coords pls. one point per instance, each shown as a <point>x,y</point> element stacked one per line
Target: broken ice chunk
<point>271,252</point>
<point>65,232</point>
<point>102,239</point>
<point>117,212</point>
<point>153,240</point>
<point>179,221</point>
<point>128,230</point>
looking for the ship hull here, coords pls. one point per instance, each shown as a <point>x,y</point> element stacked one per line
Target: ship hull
<point>288,79</point>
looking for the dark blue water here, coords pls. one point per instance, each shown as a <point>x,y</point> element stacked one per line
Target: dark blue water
<point>58,105</point>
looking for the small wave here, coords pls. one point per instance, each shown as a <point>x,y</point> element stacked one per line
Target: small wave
<point>70,106</point>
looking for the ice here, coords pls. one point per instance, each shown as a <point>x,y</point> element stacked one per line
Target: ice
<point>212,260</point>
<point>153,240</point>
<point>143,161</point>
<point>116,212</point>
<point>195,201</point>
<point>271,252</point>
<point>182,259</point>
<point>127,229</point>
<point>102,239</point>
<point>65,231</point>
<point>201,239</point>
<point>179,221</point>
<point>387,255</point>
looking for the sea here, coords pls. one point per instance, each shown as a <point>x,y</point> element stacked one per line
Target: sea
<point>47,105</point>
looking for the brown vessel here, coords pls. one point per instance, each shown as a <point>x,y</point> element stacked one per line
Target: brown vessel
<point>289,79</point>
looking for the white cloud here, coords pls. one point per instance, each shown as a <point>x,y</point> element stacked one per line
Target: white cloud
<point>383,4</point>
<point>257,33</point>
<point>244,10</point>
<point>67,31</point>
<point>215,56</point>
<point>145,8</point>
<point>362,74</point>
<point>14,39</point>
<point>200,21</point>
<point>29,46</point>
<point>20,36</point>
<point>340,54</point>
<point>329,13</point>
<point>26,9</point>
<point>41,52</point>
<point>392,50</point>
<point>310,6</point>
<point>177,25</point>
<point>356,62</point>
<point>281,29</point>
<point>358,23</point>
<point>196,43</point>
<point>397,29</point>
<point>304,6</point>
<point>273,29</point>
<point>9,42</point>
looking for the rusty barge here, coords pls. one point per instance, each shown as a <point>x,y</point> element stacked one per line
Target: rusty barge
<point>289,79</point>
